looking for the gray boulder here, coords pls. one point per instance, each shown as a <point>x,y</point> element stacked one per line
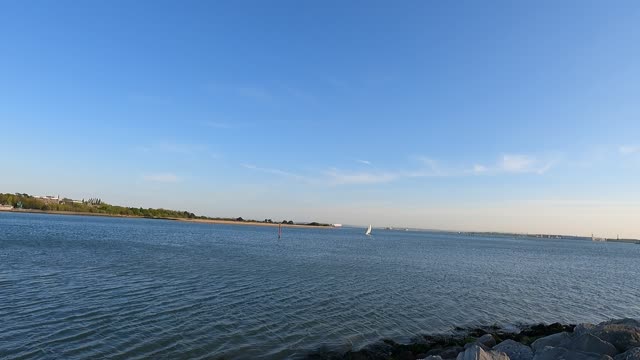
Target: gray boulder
<point>584,328</point>
<point>633,354</point>
<point>624,334</point>
<point>476,352</point>
<point>558,353</point>
<point>550,353</point>
<point>515,350</point>
<point>487,340</point>
<point>451,352</point>
<point>626,321</point>
<point>432,357</point>
<point>590,343</point>
<point>551,340</point>
<point>476,343</point>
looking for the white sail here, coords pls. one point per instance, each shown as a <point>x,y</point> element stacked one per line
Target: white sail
<point>368,230</point>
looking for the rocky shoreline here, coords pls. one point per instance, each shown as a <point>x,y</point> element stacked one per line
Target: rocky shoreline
<point>611,340</point>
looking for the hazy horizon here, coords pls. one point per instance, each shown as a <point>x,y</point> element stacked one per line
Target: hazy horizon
<point>508,117</point>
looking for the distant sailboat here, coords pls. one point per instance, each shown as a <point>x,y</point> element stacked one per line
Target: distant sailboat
<point>368,230</point>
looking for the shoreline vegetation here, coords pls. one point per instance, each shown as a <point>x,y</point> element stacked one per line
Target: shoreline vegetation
<point>610,340</point>
<point>25,203</point>
<point>21,202</point>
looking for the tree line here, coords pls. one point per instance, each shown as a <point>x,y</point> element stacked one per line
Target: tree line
<point>97,206</point>
<point>92,206</point>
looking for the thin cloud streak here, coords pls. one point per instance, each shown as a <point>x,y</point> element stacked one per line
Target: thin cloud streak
<point>336,177</point>
<point>273,171</point>
<point>507,164</point>
<point>516,164</point>
<point>479,169</point>
<point>629,149</point>
<point>432,165</point>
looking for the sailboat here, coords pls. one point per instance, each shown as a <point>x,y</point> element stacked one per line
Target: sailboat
<point>368,230</point>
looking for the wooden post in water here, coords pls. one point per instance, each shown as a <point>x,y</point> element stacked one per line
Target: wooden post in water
<point>279,231</point>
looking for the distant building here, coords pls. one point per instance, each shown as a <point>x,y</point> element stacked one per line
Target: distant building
<point>5,207</point>
<point>337,225</point>
<point>48,198</point>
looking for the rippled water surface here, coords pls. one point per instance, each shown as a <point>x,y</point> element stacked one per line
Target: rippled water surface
<point>89,287</point>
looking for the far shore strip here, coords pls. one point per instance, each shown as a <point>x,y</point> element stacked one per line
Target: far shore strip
<point>231,222</point>
<point>205,221</point>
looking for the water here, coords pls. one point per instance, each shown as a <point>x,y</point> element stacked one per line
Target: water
<point>90,287</point>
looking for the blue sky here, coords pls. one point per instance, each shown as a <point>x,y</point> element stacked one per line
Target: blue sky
<point>514,116</point>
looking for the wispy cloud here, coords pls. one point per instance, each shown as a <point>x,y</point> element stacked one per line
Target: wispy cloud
<point>629,149</point>
<point>336,177</point>
<point>330,177</point>
<point>479,169</point>
<point>162,177</point>
<point>432,166</point>
<point>429,168</point>
<point>516,164</point>
<point>272,171</point>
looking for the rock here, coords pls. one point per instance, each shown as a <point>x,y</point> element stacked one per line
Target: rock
<point>556,353</point>
<point>436,351</point>
<point>432,357</point>
<point>546,330</point>
<point>476,352</point>
<point>483,346</point>
<point>626,321</point>
<point>515,350</point>
<point>633,354</point>
<point>487,340</point>
<point>551,340</point>
<point>590,343</point>
<point>550,353</point>
<point>583,328</point>
<point>624,334</point>
<point>406,355</point>
<point>451,352</point>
